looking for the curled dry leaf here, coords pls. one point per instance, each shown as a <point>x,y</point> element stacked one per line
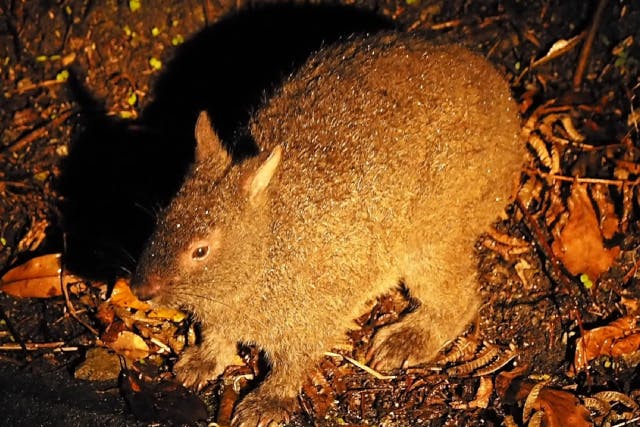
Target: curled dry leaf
<point>483,395</point>
<point>123,297</point>
<point>462,349</point>
<point>615,397</point>
<point>123,311</point>
<point>542,152</point>
<point>34,236</point>
<point>167,314</point>
<point>612,408</point>
<point>531,190</point>
<point>579,244</point>
<point>609,221</point>
<point>486,359</point>
<point>620,338</point>
<point>559,408</point>
<point>40,277</point>
<point>321,395</point>
<point>560,47</point>
<point>129,345</point>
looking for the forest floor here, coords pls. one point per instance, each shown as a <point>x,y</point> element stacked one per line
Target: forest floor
<point>98,102</point>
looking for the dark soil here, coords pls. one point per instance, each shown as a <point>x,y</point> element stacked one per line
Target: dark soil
<point>96,121</point>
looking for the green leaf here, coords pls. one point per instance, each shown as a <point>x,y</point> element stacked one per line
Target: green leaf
<point>155,63</point>
<point>586,281</point>
<point>135,5</point>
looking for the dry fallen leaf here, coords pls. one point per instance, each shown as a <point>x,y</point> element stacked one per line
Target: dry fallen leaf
<point>561,408</point>
<point>483,394</point>
<point>166,313</point>
<point>579,243</point>
<point>39,277</point>
<point>609,221</point>
<point>560,47</point>
<point>123,297</point>
<point>619,338</point>
<point>124,311</point>
<point>129,345</point>
<point>558,408</point>
<point>34,236</point>
<point>99,364</point>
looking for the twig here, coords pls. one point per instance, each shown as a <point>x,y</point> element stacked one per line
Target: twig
<point>627,422</point>
<point>362,366</point>
<point>15,184</point>
<point>72,309</point>
<point>14,333</point>
<point>581,180</point>
<point>39,132</point>
<point>457,22</point>
<point>33,346</point>
<point>34,86</point>
<point>541,242</point>
<point>446,25</point>
<point>489,20</point>
<point>69,304</point>
<point>588,44</point>
<point>630,273</point>
<point>560,49</point>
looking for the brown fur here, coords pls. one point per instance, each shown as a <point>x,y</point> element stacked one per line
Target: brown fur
<point>383,159</point>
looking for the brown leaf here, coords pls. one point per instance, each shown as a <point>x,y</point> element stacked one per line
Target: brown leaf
<point>34,237</point>
<point>124,311</point>
<point>166,313</point>
<point>619,338</point>
<point>579,243</point>
<point>560,408</point>
<point>39,277</point>
<point>25,117</point>
<point>99,364</point>
<point>106,314</point>
<point>609,221</point>
<point>130,345</point>
<point>507,385</point>
<point>483,395</point>
<point>320,394</point>
<point>123,297</point>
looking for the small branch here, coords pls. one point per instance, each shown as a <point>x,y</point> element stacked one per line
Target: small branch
<point>560,49</point>
<point>580,180</point>
<point>33,346</point>
<point>14,333</point>
<point>362,366</point>
<point>34,86</point>
<point>541,243</point>
<point>631,273</point>
<point>14,184</point>
<point>588,44</point>
<point>72,310</point>
<point>446,25</point>
<point>39,132</point>
<point>489,20</point>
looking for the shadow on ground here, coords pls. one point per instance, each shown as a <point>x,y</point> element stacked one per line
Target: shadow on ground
<point>119,172</point>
